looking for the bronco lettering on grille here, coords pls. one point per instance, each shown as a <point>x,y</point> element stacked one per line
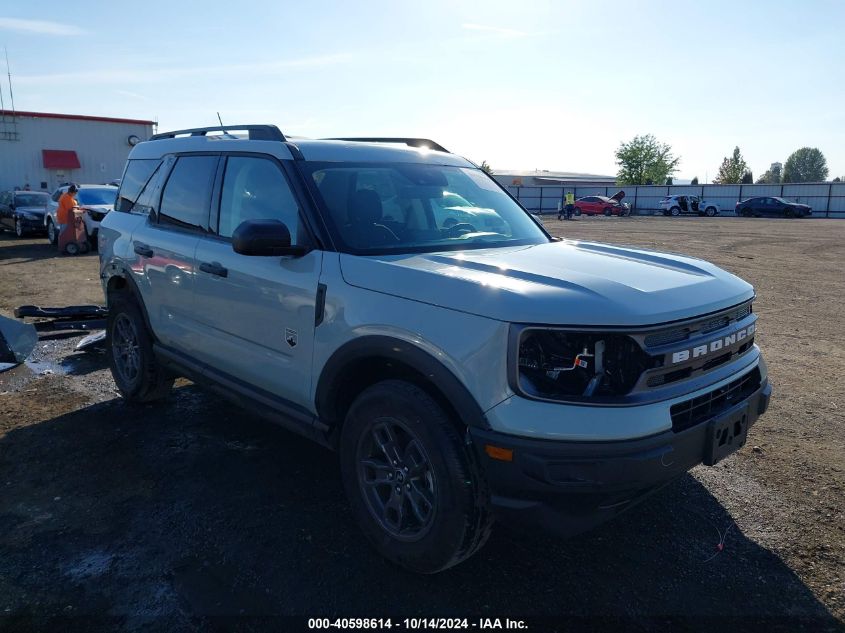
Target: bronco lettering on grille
<point>713,346</point>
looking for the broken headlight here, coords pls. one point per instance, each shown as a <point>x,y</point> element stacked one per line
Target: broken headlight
<point>573,366</point>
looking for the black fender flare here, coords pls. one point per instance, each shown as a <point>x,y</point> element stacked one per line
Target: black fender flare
<point>132,288</point>
<point>404,353</point>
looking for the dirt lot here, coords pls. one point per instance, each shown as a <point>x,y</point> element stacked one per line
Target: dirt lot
<point>168,516</point>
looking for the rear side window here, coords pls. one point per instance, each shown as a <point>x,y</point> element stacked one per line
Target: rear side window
<point>185,201</point>
<point>135,176</point>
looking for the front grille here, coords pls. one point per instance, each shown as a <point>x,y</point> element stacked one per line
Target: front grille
<point>696,410</point>
<point>666,337</point>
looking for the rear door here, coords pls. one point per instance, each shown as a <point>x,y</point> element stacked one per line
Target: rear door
<point>165,245</point>
<point>257,314</point>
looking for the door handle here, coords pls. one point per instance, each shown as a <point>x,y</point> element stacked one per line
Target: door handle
<point>213,268</point>
<point>143,250</point>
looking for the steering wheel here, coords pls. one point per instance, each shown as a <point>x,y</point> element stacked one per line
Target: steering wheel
<point>456,230</point>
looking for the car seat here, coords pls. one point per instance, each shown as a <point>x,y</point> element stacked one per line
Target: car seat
<point>365,213</point>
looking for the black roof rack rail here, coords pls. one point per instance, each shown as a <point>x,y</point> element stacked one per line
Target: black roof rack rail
<point>410,142</point>
<point>256,132</point>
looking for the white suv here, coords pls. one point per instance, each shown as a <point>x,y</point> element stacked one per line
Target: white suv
<point>94,200</point>
<point>397,305</point>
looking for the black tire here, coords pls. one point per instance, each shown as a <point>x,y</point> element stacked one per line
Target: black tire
<point>789,212</point>
<point>746,213</point>
<point>675,211</point>
<point>710,212</point>
<point>72,248</point>
<point>443,477</point>
<point>52,233</point>
<point>577,212</point>
<point>19,230</point>
<point>138,375</point>
<point>608,212</point>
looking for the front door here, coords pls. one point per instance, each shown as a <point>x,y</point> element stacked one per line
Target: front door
<point>257,313</point>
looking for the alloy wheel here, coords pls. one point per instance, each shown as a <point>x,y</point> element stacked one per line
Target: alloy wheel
<point>396,479</point>
<point>126,349</point>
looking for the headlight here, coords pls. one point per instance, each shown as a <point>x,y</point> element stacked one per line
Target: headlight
<point>97,216</point>
<point>578,367</point>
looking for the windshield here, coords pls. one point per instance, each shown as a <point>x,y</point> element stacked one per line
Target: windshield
<point>386,208</point>
<point>31,199</point>
<point>104,196</point>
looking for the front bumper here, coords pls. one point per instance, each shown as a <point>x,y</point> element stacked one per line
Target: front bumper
<point>567,487</point>
<point>31,225</point>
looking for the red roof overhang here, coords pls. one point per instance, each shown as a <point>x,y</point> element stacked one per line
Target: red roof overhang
<point>60,159</point>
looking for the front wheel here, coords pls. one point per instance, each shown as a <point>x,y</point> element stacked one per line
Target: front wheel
<point>136,371</point>
<point>52,233</point>
<point>710,212</point>
<point>608,212</point>
<point>19,230</point>
<point>789,213</point>
<point>746,213</point>
<point>676,211</point>
<point>577,212</point>
<point>415,488</point>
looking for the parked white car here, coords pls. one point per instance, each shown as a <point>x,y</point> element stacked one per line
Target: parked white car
<point>95,200</point>
<point>680,205</point>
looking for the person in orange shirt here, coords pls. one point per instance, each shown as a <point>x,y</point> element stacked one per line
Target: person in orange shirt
<point>65,213</point>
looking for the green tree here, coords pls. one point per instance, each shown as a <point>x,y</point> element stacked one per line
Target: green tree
<point>771,176</point>
<point>732,169</point>
<point>747,178</point>
<point>644,160</point>
<point>694,181</point>
<point>807,164</point>
<point>485,166</point>
<point>837,179</point>
<point>669,182</point>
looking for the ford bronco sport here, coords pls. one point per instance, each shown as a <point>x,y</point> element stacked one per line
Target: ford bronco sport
<point>391,301</point>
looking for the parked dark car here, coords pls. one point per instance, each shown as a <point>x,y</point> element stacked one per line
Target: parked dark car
<point>602,205</point>
<point>772,207</point>
<point>23,211</point>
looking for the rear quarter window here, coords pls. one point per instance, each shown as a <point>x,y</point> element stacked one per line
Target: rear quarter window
<point>135,177</point>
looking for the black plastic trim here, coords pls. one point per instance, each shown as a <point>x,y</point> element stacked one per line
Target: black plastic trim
<point>279,410</point>
<point>390,348</point>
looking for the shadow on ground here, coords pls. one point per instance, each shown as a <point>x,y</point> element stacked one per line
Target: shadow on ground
<point>165,515</point>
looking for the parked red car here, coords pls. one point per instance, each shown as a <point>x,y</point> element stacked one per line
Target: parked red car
<point>602,205</point>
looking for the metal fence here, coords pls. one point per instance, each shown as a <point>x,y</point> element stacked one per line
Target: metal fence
<point>827,198</point>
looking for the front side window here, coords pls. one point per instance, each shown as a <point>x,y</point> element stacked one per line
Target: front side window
<point>384,208</point>
<point>187,194</point>
<point>256,189</point>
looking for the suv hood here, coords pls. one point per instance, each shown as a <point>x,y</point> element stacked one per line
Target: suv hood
<point>564,283</point>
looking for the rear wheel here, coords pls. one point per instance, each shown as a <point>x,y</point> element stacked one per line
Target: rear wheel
<point>577,211</point>
<point>136,371</point>
<point>415,488</point>
<point>746,213</point>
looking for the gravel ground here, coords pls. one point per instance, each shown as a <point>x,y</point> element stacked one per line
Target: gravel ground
<point>174,515</point>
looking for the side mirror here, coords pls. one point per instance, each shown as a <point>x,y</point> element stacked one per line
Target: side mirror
<point>265,238</point>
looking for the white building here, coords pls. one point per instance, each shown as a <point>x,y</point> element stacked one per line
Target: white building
<point>44,150</point>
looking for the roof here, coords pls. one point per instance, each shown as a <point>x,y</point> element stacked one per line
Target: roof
<point>60,159</point>
<point>73,117</point>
